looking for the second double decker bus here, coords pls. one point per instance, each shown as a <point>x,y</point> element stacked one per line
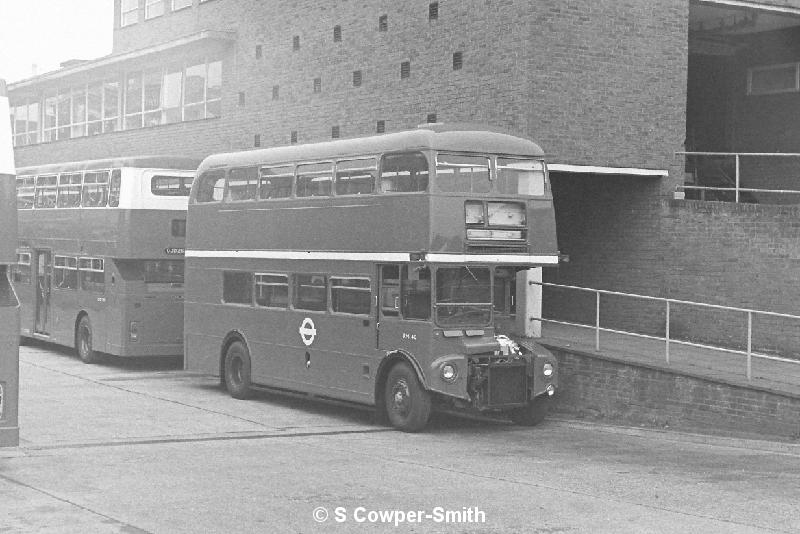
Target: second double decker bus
<point>100,256</point>
<point>378,270</point>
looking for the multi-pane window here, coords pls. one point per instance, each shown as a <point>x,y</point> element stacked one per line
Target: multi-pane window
<point>92,274</point>
<point>129,12</point>
<point>46,191</point>
<point>350,295</point>
<point>170,186</point>
<point>95,189</point>
<point>69,190</point>
<point>25,123</point>
<point>243,183</point>
<point>404,173</point>
<point>356,177</point>
<point>314,179</point>
<point>310,292</point>
<point>180,4</point>
<point>272,290</point>
<point>26,188</point>
<point>153,8</point>
<point>65,272</point>
<point>276,182</point>
<point>771,79</point>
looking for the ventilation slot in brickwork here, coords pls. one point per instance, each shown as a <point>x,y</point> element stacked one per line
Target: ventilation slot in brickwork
<point>241,98</point>
<point>335,132</point>
<point>257,140</point>
<point>293,137</point>
<point>275,92</point>
<point>383,23</point>
<point>431,117</point>
<point>381,127</point>
<point>296,42</point>
<point>433,11</point>
<point>259,51</point>
<point>356,78</point>
<point>458,60</point>
<point>405,69</point>
<point>337,34</point>
<point>317,85</point>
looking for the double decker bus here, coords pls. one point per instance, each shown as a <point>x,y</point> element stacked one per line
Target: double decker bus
<point>99,263</point>
<point>380,271</point>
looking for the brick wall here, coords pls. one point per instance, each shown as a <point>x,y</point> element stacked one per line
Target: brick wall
<point>595,82</point>
<point>595,387</point>
<point>620,237</point>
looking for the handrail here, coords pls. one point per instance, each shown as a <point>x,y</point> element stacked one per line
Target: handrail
<point>666,338</point>
<point>737,189</point>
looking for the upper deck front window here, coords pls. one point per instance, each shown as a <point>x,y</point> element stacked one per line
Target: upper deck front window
<point>463,174</point>
<point>521,176</point>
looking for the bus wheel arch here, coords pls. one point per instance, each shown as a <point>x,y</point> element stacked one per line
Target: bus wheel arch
<point>83,339</point>
<point>236,366</point>
<point>403,369</point>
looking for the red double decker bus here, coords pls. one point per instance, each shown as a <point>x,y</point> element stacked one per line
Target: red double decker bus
<point>381,271</point>
<point>100,254</point>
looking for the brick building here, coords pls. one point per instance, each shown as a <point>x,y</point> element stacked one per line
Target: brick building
<point>613,90</point>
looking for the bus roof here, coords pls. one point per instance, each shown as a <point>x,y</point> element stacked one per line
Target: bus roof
<point>152,162</point>
<point>457,138</point>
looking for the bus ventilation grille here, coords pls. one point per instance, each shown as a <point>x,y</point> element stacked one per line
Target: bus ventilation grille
<point>507,385</point>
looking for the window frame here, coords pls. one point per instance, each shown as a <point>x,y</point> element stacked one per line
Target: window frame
<point>65,265</point>
<point>257,283</point>
<point>249,276</point>
<point>149,4</point>
<point>767,68</point>
<point>96,266</point>
<point>132,7</point>
<point>367,289</point>
<point>296,293</point>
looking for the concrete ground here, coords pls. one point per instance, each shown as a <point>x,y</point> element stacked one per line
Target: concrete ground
<point>141,446</point>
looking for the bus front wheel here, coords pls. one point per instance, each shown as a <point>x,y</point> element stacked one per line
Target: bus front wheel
<point>83,341</point>
<point>237,370</point>
<point>532,414</point>
<point>408,405</point>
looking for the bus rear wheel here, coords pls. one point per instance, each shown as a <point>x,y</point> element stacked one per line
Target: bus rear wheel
<point>237,371</point>
<point>408,405</point>
<point>83,341</point>
<point>532,414</point>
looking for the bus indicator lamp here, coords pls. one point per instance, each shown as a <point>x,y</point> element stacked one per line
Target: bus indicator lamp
<point>550,390</point>
<point>134,331</point>
<point>547,370</point>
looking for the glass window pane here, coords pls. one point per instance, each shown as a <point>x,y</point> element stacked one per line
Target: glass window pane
<point>195,84</point>
<point>210,186</point>
<point>95,104</point>
<point>276,182</point>
<point>351,295</point>
<point>237,287</point>
<point>214,82</point>
<point>171,186</point>
<point>133,93</point>
<point>416,292</point>
<point>773,79</point>
<point>455,173</point>
<point>272,290</point>
<point>402,173</point>
<point>314,180</point>
<point>171,95</point>
<point>243,184</point>
<point>356,177</point>
<point>520,176</point>
<point>95,189</point>
<point>114,188</point>
<point>110,100</point>
<point>310,292</point>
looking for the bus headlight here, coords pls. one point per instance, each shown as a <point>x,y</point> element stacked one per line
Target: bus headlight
<point>449,372</point>
<point>134,331</point>
<point>547,369</point>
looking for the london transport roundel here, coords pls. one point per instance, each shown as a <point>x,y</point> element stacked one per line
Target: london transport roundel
<point>308,331</point>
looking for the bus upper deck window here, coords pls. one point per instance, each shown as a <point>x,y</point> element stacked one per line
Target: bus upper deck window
<point>521,176</point>
<point>69,190</point>
<point>276,182</point>
<point>95,189</point>
<point>170,186</point>
<point>243,184</point>
<point>114,188</point>
<point>314,179</point>
<point>211,186</point>
<point>356,177</point>
<point>404,173</point>
<point>462,174</point>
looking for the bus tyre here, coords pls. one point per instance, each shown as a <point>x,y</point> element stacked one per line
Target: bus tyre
<point>532,414</point>
<point>237,371</point>
<point>408,405</point>
<point>83,341</point>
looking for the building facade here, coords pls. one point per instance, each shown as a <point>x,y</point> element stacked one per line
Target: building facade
<point>615,91</point>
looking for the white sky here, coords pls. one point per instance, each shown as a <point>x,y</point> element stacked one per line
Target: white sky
<point>48,32</point>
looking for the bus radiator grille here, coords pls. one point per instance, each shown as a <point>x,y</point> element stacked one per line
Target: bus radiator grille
<point>507,385</point>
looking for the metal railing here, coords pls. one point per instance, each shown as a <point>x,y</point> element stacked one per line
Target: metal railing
<point>735,182</point>
<point>749,352</point>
